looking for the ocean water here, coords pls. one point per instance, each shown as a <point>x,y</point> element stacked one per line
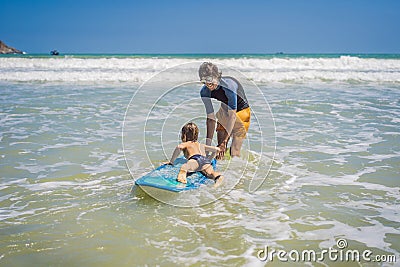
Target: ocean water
<point>320,164</point>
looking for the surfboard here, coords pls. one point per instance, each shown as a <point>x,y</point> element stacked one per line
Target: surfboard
<point>164,177</point>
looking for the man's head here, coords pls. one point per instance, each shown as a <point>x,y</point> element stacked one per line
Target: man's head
<point>190,132</point>
<point>209,75</point>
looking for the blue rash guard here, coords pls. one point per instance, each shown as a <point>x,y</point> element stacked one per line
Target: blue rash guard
<point>229,91</point>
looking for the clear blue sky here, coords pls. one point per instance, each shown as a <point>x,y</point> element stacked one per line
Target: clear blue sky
<point>229,26</point>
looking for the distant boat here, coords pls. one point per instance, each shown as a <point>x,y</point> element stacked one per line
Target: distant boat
<point>54,53</point>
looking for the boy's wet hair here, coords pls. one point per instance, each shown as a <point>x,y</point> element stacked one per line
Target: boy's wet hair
<point>190,132</point>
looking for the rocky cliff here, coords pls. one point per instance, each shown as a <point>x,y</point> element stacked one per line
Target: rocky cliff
<point>5,49</point>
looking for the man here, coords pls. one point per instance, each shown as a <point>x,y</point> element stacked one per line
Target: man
<point>234,113</point>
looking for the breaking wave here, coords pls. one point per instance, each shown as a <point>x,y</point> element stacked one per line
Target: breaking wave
<point>348,69</point>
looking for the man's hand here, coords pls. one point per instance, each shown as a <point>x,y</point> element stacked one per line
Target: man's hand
<point>222,149</point>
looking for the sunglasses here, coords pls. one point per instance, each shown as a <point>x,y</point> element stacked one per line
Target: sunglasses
<point>207,79</point>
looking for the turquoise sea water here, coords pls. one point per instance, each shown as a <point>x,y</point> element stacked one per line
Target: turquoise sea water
<point>66,194</point>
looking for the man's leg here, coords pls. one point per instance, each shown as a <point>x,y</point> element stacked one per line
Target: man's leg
<point>239,131</point>
<point>221,136</point>
<point>221,133</point>
<point>236,146</point>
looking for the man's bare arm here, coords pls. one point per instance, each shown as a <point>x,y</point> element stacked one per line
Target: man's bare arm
<point>230,123</point>
<point>210,128</point>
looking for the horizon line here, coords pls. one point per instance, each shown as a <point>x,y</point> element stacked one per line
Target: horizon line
<point>213,53</point>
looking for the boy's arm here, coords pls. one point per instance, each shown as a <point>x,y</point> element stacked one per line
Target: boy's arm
<point>176,153</point>
<point>213,149</point>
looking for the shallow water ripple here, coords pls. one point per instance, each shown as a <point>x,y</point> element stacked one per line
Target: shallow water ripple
<point>65,191</point>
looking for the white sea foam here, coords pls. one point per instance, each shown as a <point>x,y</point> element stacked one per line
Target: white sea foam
<point>264,70</point>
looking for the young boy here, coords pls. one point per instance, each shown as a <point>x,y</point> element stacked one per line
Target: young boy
<point>195,154</point>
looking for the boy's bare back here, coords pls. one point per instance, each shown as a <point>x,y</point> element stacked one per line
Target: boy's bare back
<point>191,148</point>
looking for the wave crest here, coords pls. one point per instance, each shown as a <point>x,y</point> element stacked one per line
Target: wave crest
<point>263,70</point>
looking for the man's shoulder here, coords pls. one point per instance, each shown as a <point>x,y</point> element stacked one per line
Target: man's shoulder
<point>204,91</point>
<point>229,83</point>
